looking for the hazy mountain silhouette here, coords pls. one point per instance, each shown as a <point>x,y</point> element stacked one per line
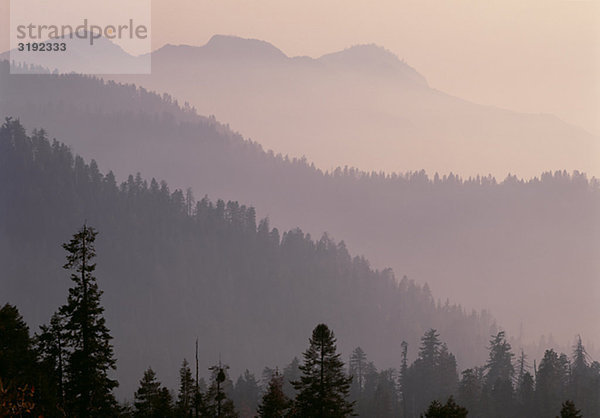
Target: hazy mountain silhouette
<point>363,107</point>
<point>231,47</point>
<point>103,57</point>
<point>374,60</point>
<point>526,250</point>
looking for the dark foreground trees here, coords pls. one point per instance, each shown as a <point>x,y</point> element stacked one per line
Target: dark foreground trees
<point>432,376</point>
<point>29,384</point>
<point>187,391</point>
<point>17,364</point>
<point>151,399</point>
<point>90,358</point>
<point>274,403</point>
<point>63,371</point>
<point>323,386</point>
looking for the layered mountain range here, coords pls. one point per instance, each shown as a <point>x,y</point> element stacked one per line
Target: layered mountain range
<point>362,107</point>
<point>500,243</point>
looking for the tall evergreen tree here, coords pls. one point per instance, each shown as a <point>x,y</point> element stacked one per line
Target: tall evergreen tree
<point>187,388</point>
<point>274,403</point>
<point>429,350</point>
<point>470,390</point>
<point>364,405</point>
<point>364,381</point>
<point>385,398</point>
<point>52,349</point>
<point>323,386</point>
<point>521,369</point>
<point>404,378</point>
<point>550,388</point>
<point>218,404</point>
<point>152,400</point>
<point>584,382</point>
<point>246,394</point>
<point>447,371</point>
<point>524,389</point>
<point>499,364</point>
<point>291,373</point>
<point>88,388</point>
<point>432,376</point>
<point>498,389</point>
<point>358,368</point>
<point>267,375</point>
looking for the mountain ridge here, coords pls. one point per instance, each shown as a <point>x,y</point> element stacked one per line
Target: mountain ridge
<point>364,107</point>
<point>440,229</point>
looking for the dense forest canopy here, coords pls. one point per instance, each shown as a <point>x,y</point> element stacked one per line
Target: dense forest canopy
<point>487,243</point>
<point>173,268</point>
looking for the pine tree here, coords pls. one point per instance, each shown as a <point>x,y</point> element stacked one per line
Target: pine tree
<point>429,350</point>
<point>404,378</point>
<point>267,375</point>
<point>291,373</point>
<point>550,387</point>
<point>569,410</point>
<point>364,405</point>
<point>274,403</point>
<point>246,394</point>
<point>357,369</point>
<point>524,388</point>
<point>88,387</point>
<point>470,389</point>
<point>447,371</point>
<point>499,376</point>
<point>584,383</point>
<point>185,400</point>
<point>147,394</point>
<point>152,400</point>
<point>385,397</point>
<point>521,369</point>
<point>432,376</point>
<point>51,346</point>
<point>499,364</point>
<point>218,404</point>
<point>323,386</point>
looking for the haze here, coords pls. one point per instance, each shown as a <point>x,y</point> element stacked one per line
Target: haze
<point>467,87</point>
<point>529,56</point>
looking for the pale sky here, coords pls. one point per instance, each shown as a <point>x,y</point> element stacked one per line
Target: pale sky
<point>539,56</point>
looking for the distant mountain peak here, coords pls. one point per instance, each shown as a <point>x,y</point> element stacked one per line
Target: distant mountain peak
<point>371,57</point>
<point>362,51</point>
<point>234,46</point>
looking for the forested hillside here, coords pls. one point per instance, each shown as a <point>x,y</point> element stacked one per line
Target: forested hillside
<point>482,242</point>
<point>174,269</point>
<point>443,230</point>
